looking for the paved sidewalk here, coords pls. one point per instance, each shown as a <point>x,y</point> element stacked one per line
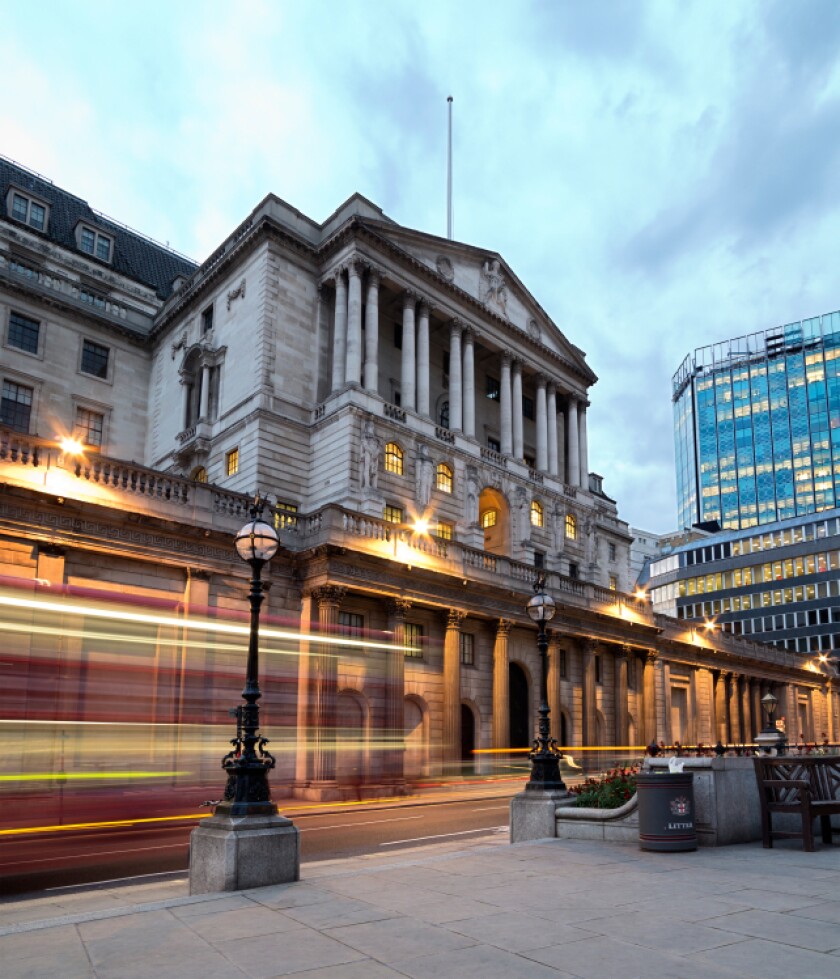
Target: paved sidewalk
<point>553,908</point>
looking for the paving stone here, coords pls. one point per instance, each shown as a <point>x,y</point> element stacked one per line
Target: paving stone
<point>267,956</point>
<point>769,960</point>
<point>785,929</point>
<point>398,938</point>
<point>21,957</point>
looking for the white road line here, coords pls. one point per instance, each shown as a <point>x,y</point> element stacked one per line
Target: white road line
<point>489,808</point>
<point>443,836</point>
<point>98,853</point>
<point>114,880</point>
<point>368,822</point>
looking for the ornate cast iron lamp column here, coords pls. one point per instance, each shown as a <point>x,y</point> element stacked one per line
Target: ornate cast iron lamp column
<point>545,768</point>
<point>248,764</point>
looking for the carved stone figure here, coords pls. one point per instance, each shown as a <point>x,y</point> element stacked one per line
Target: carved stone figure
<point>371,447</point>
<point>521,515</point>
<point>425,477</point>
<point>559,528</point>
<point>471,506</point>
<point>444,267</point>
<point>493,288</point>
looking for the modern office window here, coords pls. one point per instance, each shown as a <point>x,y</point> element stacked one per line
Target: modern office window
<point>232,462</point>
<point>16,406</point>
<point>467,644</point>
<point>285,515</point>
<point>493,390</point>
<point>571,527</point>
<point>393,459</point>
<point>444,530</point>
<point>89,426</point>
<point>93,242</point>
<point>23,332</point>
<point>444,478</point>
<point>207,320</point>
<point>393,514</point>
<point>489,518</point>
<point>94,359</point>
<point>413,640</point>
<point>536,513</point>
<point>28,211</point>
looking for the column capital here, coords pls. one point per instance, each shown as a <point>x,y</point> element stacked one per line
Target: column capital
<point>425,308</point>
<point>356,265</point>
<point>506,357</point>
<point>399,607</point>
<point>374,273</point>
<point>191,574</point>
<point>470,335</point>
<point>651,657</point>
<point>541,380</point>
<point>516,365</point>
<point>504,626</point>
<point>410,298</point>
<point>624,652</point>
<point>456,326</point>
<point>454,618</point>
<point>328,595</point>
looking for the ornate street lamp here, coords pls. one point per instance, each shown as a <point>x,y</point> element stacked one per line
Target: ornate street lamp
<point>770,738</point>
<point>545,768</point>
<point>248,764</point>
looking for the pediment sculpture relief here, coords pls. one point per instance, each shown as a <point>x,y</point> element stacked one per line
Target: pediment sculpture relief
<point>493,291</point>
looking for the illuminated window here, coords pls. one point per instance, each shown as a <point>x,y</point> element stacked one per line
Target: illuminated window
<point>88,428</point>
<point>613,583</point>
<point>536,513</point>
<point>199,474</point>
<point>467,644</point>
<point>489,518</point>
<point>393,459</point>
<point>232,462</point>
<point>571,527</point>
<point>94,359</point>
<point>444,478</point>
<point>444,530</point>
<point>413,640</point>
<point>285,516</point>
<point>393,514</point>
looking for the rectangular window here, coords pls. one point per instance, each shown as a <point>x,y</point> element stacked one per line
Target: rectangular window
<point>393,514</point>
<point>398,335</point>
<point>611,548</point>
<point>467,642</point>
<point>573,569</point>
<point>285,515</point>
<point>232,462</point>
<point>87,241</point>
<point>207,320</point>
<point>94,359</point>
<point>527,407</point>
<point>352,623</point>
<point>94,243</point>
<point>613,583</point>
<point>29,212</point>
<point>16,406</point>
<point>89,426</point>
<point>539,559</point>
<point>92,298</point>
<point>23,332</point>
<point>493,389</point>
<point>413,640</point>
<point>494,444</point>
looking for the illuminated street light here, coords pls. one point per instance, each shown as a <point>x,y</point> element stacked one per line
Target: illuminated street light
<point>71,446</point>
<point>247,766</point>
<point>545,768</point>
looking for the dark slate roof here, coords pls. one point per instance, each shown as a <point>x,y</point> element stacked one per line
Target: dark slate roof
<point>134,256</point>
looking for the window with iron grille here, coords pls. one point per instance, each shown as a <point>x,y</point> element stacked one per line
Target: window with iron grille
<point>95,359</point>
<point>413,640</point>
<point>16,406</point>
<point>89,425</point>
<point>23,332</point>
<point>467,644</point>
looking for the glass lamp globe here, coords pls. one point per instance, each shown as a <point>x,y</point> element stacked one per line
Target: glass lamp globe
<point>541,607</point>
<point>768,702</point>
<point>257,541</point>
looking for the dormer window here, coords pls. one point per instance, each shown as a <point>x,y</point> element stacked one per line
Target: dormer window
<point>21,207</point>
<point>93,242</point>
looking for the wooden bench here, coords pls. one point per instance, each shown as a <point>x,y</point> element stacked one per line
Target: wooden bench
<point>807,786</point>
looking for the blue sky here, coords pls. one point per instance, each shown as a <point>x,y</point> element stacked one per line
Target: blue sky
<point>659,175</point>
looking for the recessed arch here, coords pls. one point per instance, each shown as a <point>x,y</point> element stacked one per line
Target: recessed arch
<point>519,706</point>
<point>351,738</point>
<point>496,530</point>
<point>416,756</point>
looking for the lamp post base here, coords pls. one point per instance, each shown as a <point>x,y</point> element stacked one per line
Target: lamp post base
<point>533,814</point>
<point>234,853</point>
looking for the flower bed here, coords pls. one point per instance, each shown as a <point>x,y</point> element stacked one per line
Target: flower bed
<point>609,791</point>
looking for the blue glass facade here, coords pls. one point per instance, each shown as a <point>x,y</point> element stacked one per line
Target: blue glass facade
<point>757,426</point>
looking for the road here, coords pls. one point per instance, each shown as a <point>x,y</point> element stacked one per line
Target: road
<point>60,859</point>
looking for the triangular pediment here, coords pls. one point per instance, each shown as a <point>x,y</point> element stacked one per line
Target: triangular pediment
<point>487,278</point>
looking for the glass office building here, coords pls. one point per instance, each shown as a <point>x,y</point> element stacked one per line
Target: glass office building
<point>757,426</point>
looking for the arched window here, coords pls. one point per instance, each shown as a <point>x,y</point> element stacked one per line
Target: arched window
<point>489,518</point>
<point>444,478</point>
<point>536,513</point>
<point>199,474</point>
<point>444,415</point>
<point>393,459</point>
<point>571,527</point>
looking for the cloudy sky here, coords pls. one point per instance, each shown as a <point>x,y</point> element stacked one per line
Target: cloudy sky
<point>660,175</point>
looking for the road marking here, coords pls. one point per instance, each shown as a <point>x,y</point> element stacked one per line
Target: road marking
<point>116,880</point>
<point>443,836</point>
<point>367,822</point>
<point>98,853</point>
<point>489,808</point>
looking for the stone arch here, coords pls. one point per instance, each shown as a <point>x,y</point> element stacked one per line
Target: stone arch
<point>416,756</point>
<point>352,719</point>
<point>496,528</point>
<point>469,734</point>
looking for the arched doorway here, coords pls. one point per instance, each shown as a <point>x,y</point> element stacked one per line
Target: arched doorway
<point>521,734</point>
<point>494,519</point>
<point>350,739</point>
<point>415,759</point>
<point>467,737</point>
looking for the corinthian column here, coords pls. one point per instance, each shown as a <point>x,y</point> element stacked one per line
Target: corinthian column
<point>589,695</point>
<point>518,441</point>
<point>721,731</point>
<point>395,693</point>
<point>649,695</point>
<point>542,426</point>
<point>340,336</point>
<point>573,444</point>
<point>423,361</point>
<point>372,333</point>
<point>469,383</point>
<point>554,681</point>
<point>552,429</point>
<point>621,726</point>
<point>455,393</point>
<point>452,688</point>
<point>501,691</point>
<point>584,449</point>
<point>505,406</point>
<point>353,365</point>
<point>407,387</point>
<point>325,687</point>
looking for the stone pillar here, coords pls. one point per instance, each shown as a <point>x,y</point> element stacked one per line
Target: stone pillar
<point>456,394</point>
<point>372,333</point>
<point>830,697</point>
<point>746,710</point>
<point>325,687</point>
<point>734,711</point>
<point>552,429</point>
<point>395,694</point>
<point>204,402</point>
<point>501,693</point>
<point>506,415</point>
<point>560,435</point>
<point>305,687</point>
<point>554,681</point>
<point>572,445</point>
<point>721,732</point>
<point>353,363</point>
<point>407,387</point>
<point>589,693</point>
<point>452,688</point>
<point>757,711</point>
<point>621,728</point>
<point>649,696</point>
<point>705,723</point>
<point>423,360</point>
<point>584,448</point>
<point>518,441</point>
<point>542,426</point>
<point>340,334</point>
<point>469,383</point>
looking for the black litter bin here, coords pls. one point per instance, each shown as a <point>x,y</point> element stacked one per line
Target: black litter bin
<point>666,811</point>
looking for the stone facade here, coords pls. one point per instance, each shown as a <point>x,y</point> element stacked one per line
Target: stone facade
<point>420,423</point>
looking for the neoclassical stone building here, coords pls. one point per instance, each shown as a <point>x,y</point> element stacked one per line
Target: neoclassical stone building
<point>420,425</point>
